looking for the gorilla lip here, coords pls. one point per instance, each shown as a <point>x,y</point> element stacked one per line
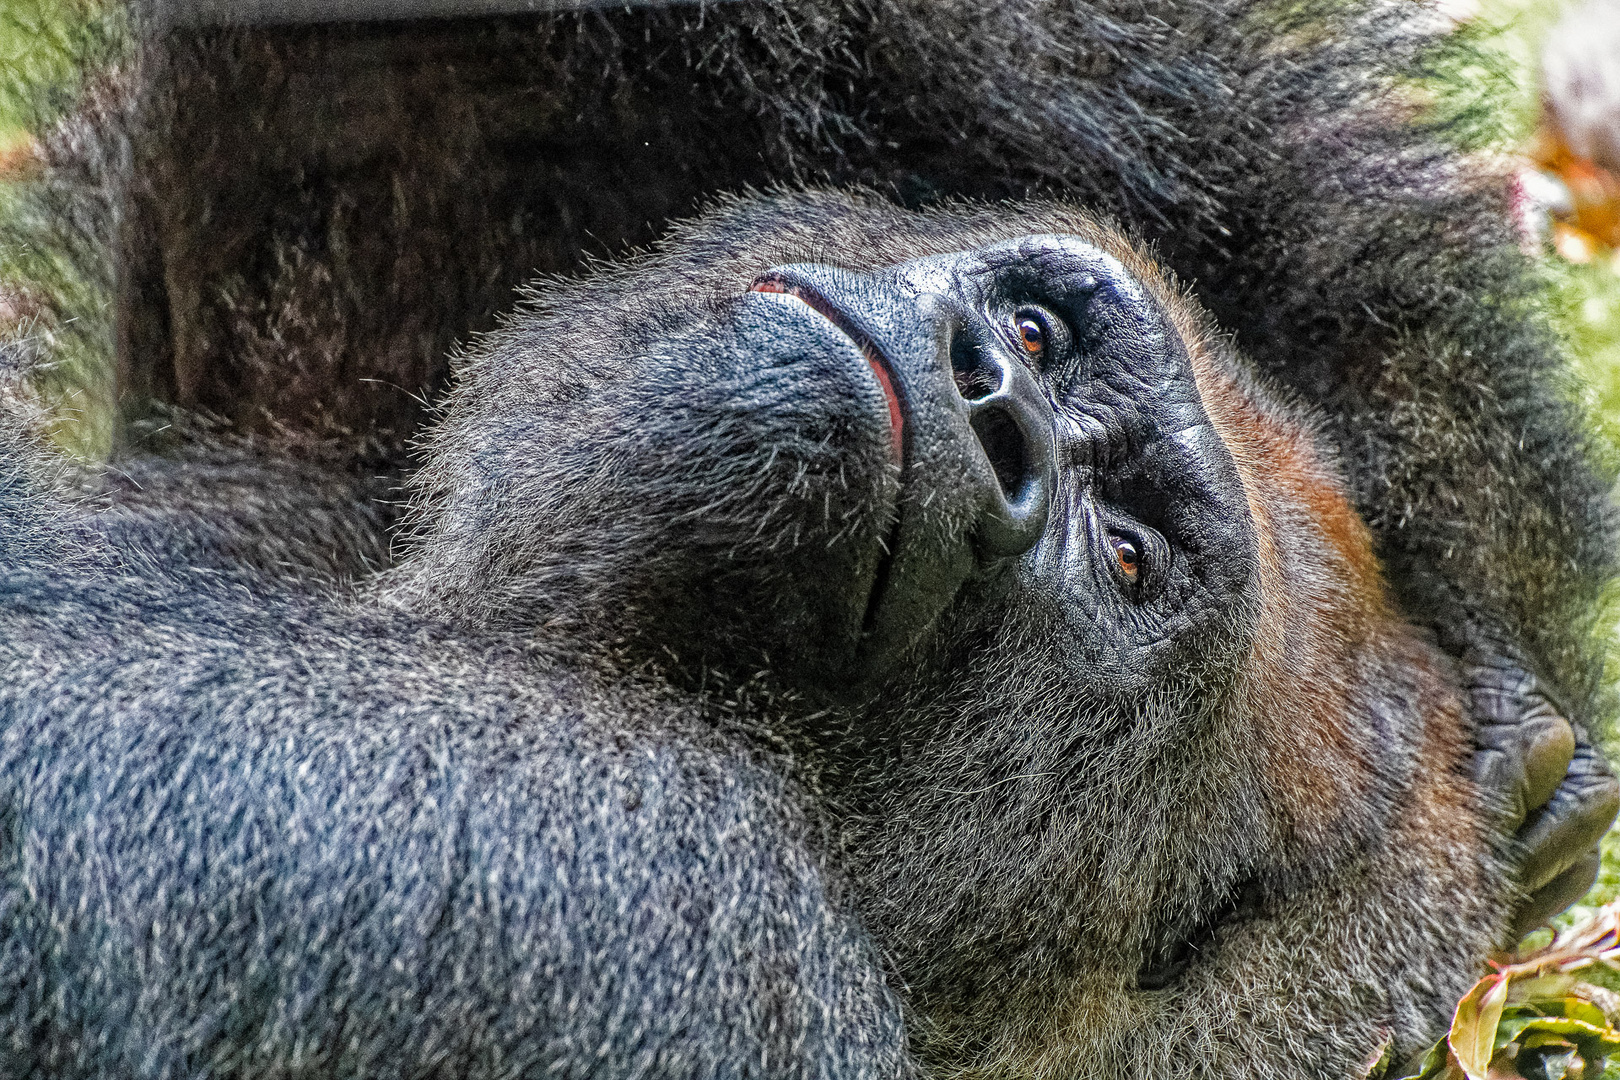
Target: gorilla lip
<point>882,370</point>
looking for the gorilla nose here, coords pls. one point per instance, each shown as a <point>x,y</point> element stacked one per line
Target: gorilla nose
<point>897,322</point>
<point>1012,421</point>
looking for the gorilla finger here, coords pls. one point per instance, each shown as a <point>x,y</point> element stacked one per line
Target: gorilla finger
<point>1574,820</point>
<point>1498,684</point>
<point>1569,886</point>
<point>1520,765</point>
<point>1547,743</point>
<point>1525,743</point>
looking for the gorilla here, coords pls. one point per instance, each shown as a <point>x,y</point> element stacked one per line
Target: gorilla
<point>840,641</point>
<point>285,227</point>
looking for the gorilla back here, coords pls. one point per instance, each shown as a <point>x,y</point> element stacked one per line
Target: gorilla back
<point>1026,679</point>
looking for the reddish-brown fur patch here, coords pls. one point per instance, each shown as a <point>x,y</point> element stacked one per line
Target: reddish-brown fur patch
<point>1326,625</point>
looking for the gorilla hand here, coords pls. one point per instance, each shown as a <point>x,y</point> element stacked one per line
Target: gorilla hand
<point>1556,795</point>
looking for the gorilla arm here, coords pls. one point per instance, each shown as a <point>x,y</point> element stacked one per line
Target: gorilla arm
<point>248,836</point>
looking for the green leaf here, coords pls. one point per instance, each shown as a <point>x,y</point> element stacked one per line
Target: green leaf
<point>1473,1027</point>
<point>1509,1030</point>
<point>1540,1039</point>
<point>1432,1066</point>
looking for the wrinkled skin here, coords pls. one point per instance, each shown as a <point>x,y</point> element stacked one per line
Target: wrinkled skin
<point>1554,791</point>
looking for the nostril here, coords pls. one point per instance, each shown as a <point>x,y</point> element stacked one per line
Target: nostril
<point>977,377</point>
<point>1013,427</point>
<point>1006,449</point>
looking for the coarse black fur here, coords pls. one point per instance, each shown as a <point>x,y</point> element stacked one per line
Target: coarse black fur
<point>1213,820</point>
<point>307,280</point>
<point>31,522</point>
<point>229,507</point>
<point>255,838</point>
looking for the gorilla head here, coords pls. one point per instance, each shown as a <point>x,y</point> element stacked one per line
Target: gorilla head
<point>808,466</point>
<point>1076,632</point>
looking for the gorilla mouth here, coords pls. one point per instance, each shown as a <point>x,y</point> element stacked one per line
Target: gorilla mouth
<point>882,370</point>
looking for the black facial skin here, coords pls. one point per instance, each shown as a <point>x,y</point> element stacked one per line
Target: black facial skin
<point>800,478</point>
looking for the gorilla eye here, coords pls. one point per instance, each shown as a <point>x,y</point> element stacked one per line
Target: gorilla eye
<point>1127,556</point>
<point>1032,334</point>
<point>1040,335</point>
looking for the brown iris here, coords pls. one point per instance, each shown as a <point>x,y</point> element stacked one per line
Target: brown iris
<point>1032,335</point>
<point>1128,556</point>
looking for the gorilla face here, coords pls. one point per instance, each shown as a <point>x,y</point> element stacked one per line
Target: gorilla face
<point>817,471</point>
<point>1044,415</point>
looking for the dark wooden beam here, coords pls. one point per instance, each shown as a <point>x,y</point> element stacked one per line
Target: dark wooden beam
<point>247,12</point>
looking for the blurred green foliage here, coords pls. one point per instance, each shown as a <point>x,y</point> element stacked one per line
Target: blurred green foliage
<point>1589,311</point>
<point>1586,297</point>
<point>46,49</point>
<point>43,44</point>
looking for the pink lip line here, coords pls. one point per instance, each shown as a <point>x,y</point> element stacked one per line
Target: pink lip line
<point>873,355</point>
